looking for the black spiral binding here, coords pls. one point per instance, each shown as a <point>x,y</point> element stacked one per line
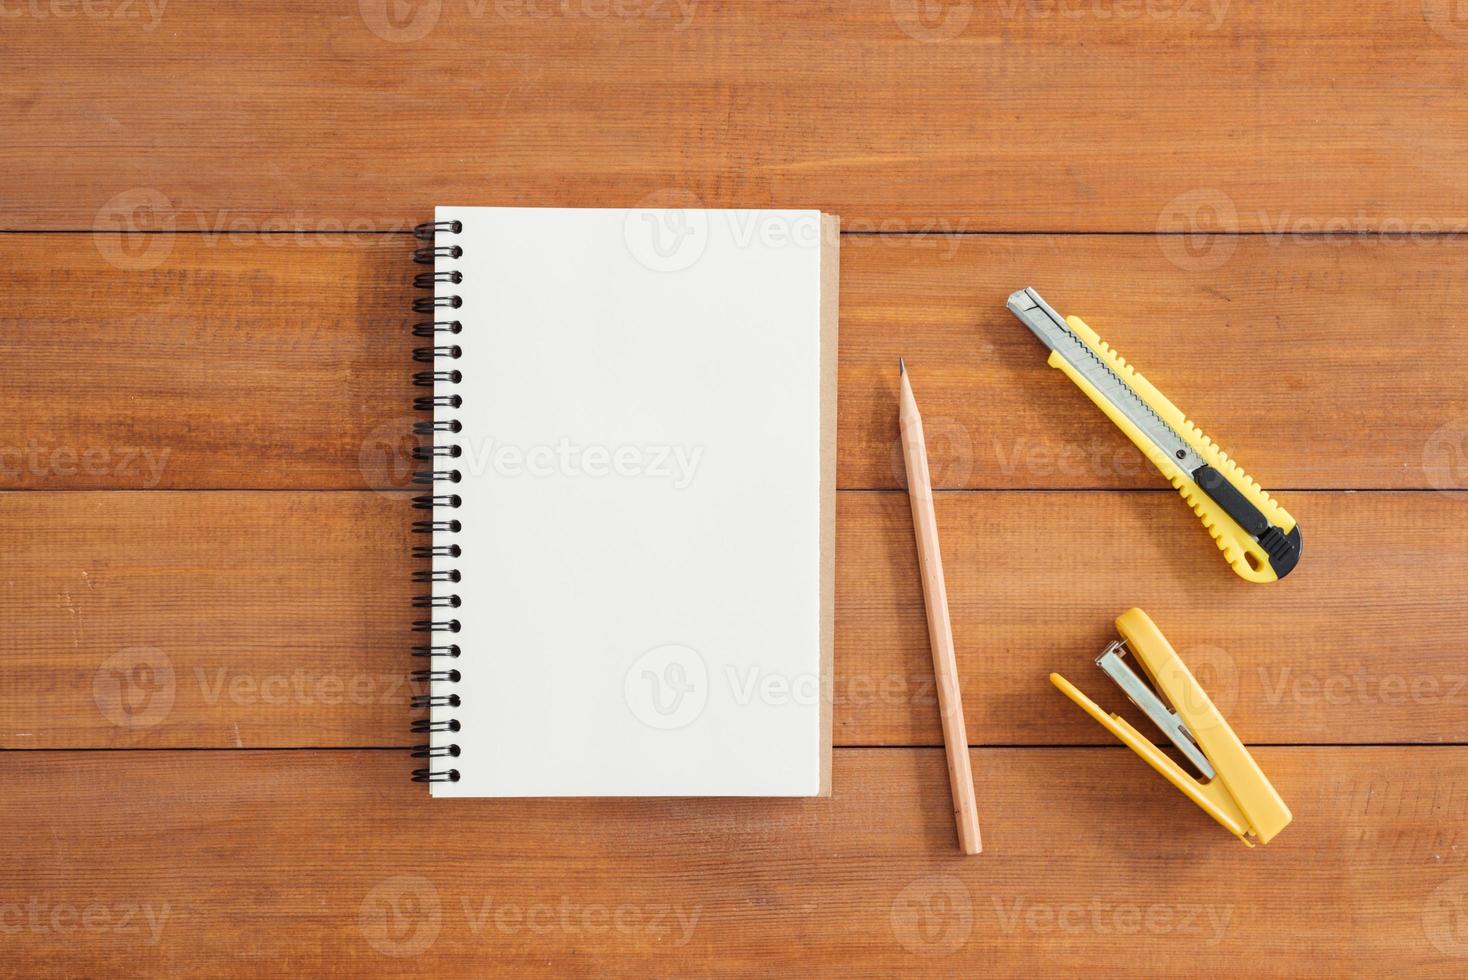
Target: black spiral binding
<point>435,652</point>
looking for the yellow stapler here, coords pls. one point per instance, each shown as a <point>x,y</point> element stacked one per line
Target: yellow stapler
<point>1258,538</point>
<point>1232,789</point>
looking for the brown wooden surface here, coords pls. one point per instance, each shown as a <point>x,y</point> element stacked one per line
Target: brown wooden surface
<point>277,619</point>
<point>204,595</point>
<point>897,114</point>
<point>251,863</point>
<point>281,361</point>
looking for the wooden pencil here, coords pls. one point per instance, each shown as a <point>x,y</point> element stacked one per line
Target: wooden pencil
<point>940,629</point>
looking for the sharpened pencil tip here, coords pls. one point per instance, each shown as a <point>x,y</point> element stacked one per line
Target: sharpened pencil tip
<point>902,365</point>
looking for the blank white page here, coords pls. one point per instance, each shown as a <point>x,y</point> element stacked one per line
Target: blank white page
<point>647,497</point>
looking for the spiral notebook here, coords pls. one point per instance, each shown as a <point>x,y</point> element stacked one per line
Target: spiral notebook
<point>632,509</point>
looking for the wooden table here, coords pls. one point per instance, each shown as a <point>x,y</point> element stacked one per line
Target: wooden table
<point>205,367</point>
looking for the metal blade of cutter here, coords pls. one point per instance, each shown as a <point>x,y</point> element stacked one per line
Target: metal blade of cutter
<point>1050,327</point>
<point>1140,693</point>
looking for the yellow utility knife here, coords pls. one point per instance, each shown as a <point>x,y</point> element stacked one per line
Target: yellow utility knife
<point>1256,535</point>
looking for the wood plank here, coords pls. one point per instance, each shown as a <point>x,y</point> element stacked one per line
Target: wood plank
<point>206,619</point>
<point>1363,643</point>
<point>316,862</point>
<point>1315,365</point>
<point>283,361</point>
<point>256,362</point>
<point>892,114</point>
<point>282,619</point>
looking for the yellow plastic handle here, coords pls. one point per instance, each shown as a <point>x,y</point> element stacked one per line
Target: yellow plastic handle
<point>1248,789</point>
<point>1210,798</point>
<point>1244,554</point>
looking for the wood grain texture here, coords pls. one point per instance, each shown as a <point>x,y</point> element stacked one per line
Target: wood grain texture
<point>1021,114</point>
<point>257,362</point>
<point>282,619</point>
<point>181,338</point>
<point>283,361</point>
<point>312,863</point>
<point>1328,365</point>
<point>206,619</point>
<point>1362,644</point>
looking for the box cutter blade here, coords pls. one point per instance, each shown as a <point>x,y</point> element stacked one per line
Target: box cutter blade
<point>1260,540</point>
